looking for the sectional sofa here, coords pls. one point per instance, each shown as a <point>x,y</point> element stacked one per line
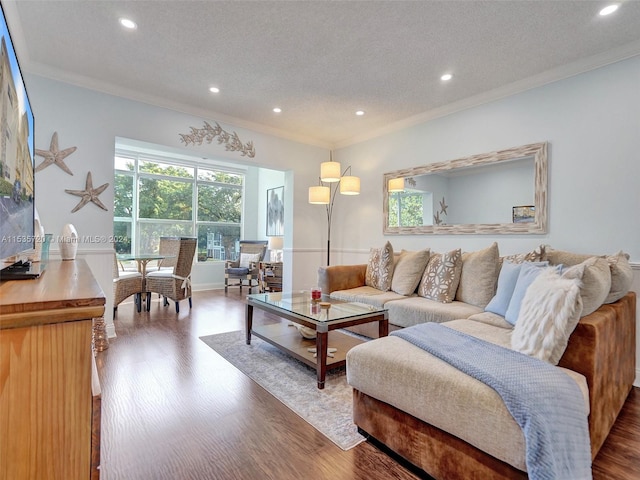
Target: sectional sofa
<point>440,419</point>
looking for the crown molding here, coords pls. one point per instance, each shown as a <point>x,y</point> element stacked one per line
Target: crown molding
<point>52,73</point>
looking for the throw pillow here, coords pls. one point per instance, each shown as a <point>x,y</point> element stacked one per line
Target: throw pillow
<point>528,273</point>
<point>596,283</point>
<point>569,259</point>
<point>408,271</point>
<point>506,284</point>
<point>380,268</point>
<point>621,276</point>
<point>549,313</point>
<point>479,276</point>
<point>246,259</point>
<point>442,276</point>
<point>537,255</point>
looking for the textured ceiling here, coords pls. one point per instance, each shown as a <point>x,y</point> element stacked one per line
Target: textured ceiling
<point>319,61</point>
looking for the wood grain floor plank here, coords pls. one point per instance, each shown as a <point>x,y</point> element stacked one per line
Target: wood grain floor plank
<point>172,408</point>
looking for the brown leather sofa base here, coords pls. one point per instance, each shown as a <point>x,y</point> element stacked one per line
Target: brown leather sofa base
<point>435,451</point>
<point>602,348</point>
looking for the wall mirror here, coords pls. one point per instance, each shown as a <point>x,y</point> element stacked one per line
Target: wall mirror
<point>491,193</point>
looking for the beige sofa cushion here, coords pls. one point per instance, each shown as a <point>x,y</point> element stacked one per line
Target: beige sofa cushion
<point>479,276</point>
<point>596,282</point>
<point>368,295</point>
<point>414,310</point>
<point>380,268</point>
<point>621,276</point>
<point>406,377</point>
<point>442,276</point>
<point>408,271</point>
<point>619,269</point>
<point>491,318</point>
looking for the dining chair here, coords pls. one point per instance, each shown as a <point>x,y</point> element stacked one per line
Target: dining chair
<point>125,284</point>
<point>174,284</point>
<point>169,246</point>
<point>246,268</point>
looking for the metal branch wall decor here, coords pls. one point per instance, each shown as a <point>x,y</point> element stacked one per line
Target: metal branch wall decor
<point>231,141</point>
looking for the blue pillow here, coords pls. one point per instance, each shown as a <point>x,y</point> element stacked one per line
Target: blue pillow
<point>506,284</point>
<point>528,273</point>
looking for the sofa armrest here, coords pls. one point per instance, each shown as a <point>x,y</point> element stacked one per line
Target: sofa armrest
<point>603,349</point>
<point>341,277</point>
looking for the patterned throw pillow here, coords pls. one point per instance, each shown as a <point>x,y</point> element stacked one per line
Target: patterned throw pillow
<point>441,277</point>
<point>537,255</point>
<point>380,268</point>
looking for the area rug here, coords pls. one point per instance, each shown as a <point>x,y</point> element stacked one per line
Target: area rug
<point>294,384</point>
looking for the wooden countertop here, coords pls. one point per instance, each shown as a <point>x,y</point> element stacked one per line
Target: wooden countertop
<point>66,291</point>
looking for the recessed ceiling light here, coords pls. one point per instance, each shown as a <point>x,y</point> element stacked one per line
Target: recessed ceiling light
<point>360,113</point>
<point>127,23</point>
<point>214,90</point>
<point>446,77</point>
<point>609,10</point>
<point>277,110</point>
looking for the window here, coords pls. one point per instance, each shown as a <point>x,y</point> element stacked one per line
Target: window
<point>157,197</point>
<point>406,209</point>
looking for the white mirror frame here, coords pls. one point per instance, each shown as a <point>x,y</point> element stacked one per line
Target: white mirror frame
<point>539,226</point>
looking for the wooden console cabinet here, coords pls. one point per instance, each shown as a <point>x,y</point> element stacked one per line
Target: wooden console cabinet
<point>49,414</point>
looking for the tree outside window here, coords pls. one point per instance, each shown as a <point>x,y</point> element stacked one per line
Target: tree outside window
<point>160,198</point>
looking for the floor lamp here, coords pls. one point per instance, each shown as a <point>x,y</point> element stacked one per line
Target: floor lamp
<point>326,194</point>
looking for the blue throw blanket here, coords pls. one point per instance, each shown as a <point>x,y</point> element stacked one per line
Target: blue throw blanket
<point>546,402</point>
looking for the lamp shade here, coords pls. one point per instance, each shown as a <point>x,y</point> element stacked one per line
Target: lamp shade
<point>350,185</point>
<point>330,172</point>
<point>275,243</point>
<point>396,185</point>
<point>319,195</point>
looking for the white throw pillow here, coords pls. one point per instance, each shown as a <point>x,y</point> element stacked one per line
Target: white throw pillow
<point>549,313</point>
<point>246,259</point>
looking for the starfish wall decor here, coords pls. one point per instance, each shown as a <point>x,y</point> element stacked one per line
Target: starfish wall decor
<point>231,141</point>
<point>54,155</point>
<point>89,194</point>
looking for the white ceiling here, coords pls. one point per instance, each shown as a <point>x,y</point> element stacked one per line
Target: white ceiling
<point>319,61</point>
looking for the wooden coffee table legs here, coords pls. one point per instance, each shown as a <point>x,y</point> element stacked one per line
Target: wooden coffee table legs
<point>249,320</point>
<point>321,355</point>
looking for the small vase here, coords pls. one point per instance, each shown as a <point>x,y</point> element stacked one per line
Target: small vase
<point>68,242</point>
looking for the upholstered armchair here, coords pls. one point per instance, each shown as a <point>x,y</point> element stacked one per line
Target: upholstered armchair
<point>245,270</point>
<point>125,284</point>
<point>174,283</point>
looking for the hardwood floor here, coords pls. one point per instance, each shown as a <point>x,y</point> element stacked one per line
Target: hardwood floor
<point>172,408</point>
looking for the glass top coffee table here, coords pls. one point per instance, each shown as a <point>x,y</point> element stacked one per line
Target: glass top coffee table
<point>325,317</point>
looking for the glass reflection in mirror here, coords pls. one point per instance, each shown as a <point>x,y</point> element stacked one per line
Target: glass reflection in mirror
<point>469,195</point>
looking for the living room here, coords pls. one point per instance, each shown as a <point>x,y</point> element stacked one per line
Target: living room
<point>586,111</point>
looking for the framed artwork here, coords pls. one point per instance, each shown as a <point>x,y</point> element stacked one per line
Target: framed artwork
<point>524,214</point>
<point>275,212</point>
